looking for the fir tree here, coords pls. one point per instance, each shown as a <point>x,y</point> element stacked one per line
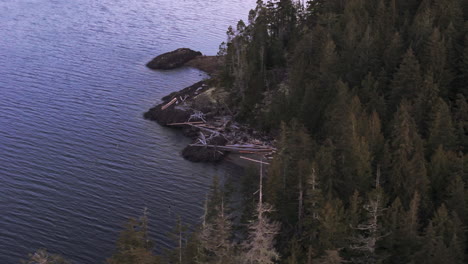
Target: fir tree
<point>408,164</point>
<point>407,81</point>
<point>133,245</point>
<point>441,130</point>
<point>214,239</point>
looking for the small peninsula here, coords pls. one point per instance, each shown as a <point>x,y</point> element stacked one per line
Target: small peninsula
<point>201,111</point>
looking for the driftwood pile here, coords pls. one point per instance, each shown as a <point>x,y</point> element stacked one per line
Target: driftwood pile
<point>214,132</point>
<point>238,141</point>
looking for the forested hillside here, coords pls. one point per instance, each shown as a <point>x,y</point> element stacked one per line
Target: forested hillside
<point>370,99</point>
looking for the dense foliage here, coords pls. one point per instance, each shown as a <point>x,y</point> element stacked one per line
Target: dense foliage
<point>373,168</point>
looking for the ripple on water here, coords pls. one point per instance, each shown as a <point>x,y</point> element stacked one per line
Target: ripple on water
<point>76,157</point>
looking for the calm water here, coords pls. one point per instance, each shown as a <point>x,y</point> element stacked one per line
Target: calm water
<point>76,157</point>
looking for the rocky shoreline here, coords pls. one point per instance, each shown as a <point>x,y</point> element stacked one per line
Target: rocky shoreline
<point>200,110</point>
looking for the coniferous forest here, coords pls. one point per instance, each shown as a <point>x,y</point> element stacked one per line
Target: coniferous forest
<point>368,100</point>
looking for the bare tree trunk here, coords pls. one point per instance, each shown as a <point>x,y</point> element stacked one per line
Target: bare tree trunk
<point>301,200</point>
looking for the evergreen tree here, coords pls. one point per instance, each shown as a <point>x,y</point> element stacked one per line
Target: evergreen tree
<point>408,172</point>
<point>407,81</point>
<point>441,130</point>
<point>442,242</point>
<point>133,245</point>
<point>461,122</point>
<point>214,240</point>
<point>456,197</point>
<point>332,228</point>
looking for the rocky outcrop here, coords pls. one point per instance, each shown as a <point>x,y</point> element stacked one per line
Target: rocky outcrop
<point>202,112</point>
<point>173,59</point>
<point>205,154</point>
<point>177,112</point>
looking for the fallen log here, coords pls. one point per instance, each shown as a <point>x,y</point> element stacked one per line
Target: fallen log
<point>164,107</point>
<point>258,161</point>
<point>186,123</point>
<point>207,129</point>
<point>226,148</point>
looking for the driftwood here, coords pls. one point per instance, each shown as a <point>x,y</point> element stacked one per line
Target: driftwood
<point>235,149</point>
<point>205,129</point>
<point>202,139</point>
<point>251,146</point>
<point>197,115</point>
<point>186,123</point>
<point>183,99</point>
<point>258,161</point>
<point>164,107</point>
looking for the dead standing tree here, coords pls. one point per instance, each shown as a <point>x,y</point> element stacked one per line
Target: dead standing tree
<point>259,247</point>
<point>370,231</point>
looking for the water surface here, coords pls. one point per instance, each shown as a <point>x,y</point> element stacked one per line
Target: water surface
<point>76,157</point>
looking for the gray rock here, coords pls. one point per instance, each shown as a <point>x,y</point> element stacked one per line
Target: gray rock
<point>173,59</point>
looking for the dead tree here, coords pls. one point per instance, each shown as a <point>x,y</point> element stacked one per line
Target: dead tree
<point>371,230</point>
<point>259,247</point>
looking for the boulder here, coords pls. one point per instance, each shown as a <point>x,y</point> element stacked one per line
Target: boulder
<point>173,59</point>
<point>168,116</point>
<point>204,154</point>
<point>174,113</point>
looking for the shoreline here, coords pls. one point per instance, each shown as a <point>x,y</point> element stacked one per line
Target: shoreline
<point>202,113</point>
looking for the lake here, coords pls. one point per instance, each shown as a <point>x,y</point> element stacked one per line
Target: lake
<point>77,159</point>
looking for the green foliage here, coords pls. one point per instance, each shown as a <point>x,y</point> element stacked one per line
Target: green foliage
<point>134,245</point>
<point>355,89</point>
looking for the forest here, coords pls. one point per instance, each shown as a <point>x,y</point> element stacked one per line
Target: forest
<point>368,102</point>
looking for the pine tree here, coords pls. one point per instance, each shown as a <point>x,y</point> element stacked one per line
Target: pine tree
<point>441,130</point>
<point>214,239</point>
<point>456,197</point>
<point>332,228</point>
<point>213,201</point>
<point>422,26</point>
<point>327,171</point>
<point>407,81</point>
<point>408,169</point>
<point>313,203</point>
<point>435,61</point>
<point>440,171</point>
<point>133,245</point>
<point>443,240</point>
<point>393,53</point>
<point>461,122</point>
<point>463,64</point>
<point>345,122</point>
<point>393,222</point>
<point>179,235</point>
<point>433,250</point>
